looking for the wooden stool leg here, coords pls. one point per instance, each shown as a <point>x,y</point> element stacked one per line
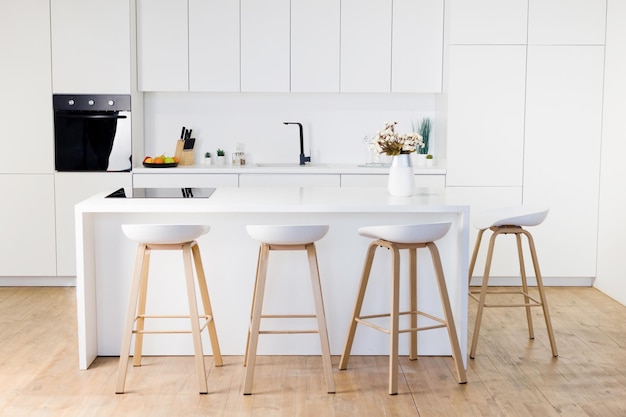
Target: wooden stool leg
<point>193,315</point>
<point>413,303</point>
<point>483,295</point>
<point>258,265</point>
<point>321,317</point>
<point>445,301</point>
<point>255,324</point>
<point>206,304</point>
<point>522,271</point>
<point>542,295</point>
<point>141,309</point>
<point>394,320</point>
<point>140,259</point>
<point>475,255</point>
<point>365,275</point>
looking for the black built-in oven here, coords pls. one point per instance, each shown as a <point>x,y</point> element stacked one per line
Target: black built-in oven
<point>92,132</point>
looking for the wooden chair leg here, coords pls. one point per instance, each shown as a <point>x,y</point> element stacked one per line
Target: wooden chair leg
<point>321,317</point>
<point>255,325</point>
<point>542,294</point>
<point>130,319</point>
<point>413,303</point>
<point>394,321</point>
<point>449,317</point>
<point>206,304</point>
<point>483,295</point>
<point>258,265</point>
<point>141,309</point>
<point>522,271</point>
<point>195,321</point>
<point>475,255</point>
<point>365,275</point>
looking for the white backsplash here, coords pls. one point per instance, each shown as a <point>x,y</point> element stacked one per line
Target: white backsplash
<point>334,124</point>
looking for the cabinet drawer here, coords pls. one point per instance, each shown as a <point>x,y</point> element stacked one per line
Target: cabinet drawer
<point>380,180</point>
<point>184,180</point>
<point>297,180</point>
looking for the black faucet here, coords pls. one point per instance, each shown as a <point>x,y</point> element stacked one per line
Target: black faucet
<point>303,159</point>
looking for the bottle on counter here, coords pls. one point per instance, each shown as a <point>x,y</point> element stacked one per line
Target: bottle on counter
<point>239,156</point>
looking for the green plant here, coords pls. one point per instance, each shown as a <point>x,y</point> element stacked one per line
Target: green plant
<point>429,156</point>
<point>220,152</point>
<point>207,155</point>
<point>423,128</point>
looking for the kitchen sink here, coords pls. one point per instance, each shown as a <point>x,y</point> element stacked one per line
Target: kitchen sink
<point>289,165</point>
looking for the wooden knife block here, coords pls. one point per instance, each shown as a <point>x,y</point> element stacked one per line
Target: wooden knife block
<point>185,156</point>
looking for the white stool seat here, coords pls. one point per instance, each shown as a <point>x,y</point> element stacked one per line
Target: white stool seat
<point>287,234</point>
<point>511,216</point>
<point>164,233</point>
<point>407,233</point>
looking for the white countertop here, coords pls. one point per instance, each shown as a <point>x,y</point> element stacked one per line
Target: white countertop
<point>280,200</point>
<point>284,168</point>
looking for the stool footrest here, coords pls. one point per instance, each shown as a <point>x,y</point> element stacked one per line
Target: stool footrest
<point>534,302</point>
<point>287,331</point>
<point>207,319</point>
<point>364,320</point>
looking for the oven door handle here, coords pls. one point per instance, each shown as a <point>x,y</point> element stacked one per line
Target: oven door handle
<point>92,116</point>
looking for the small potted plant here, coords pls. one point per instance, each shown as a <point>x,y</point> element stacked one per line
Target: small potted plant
<point>207,158</point>
<point>429,160</point>
<point>220,156</point>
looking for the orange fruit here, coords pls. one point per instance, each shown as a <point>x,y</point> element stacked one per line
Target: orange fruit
<point>158,160</point>
<point>175,159</point>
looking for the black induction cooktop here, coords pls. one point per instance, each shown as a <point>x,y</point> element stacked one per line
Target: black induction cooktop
<point>163,193</point>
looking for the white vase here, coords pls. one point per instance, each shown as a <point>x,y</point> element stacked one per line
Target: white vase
<point>221,160</point>
<point>401,181</point>
<point>207,161</point>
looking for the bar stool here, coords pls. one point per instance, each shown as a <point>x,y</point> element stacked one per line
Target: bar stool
<point>510,220</point>
<point>395,238</point>
<point>281,238</point>
<point>167,237</point>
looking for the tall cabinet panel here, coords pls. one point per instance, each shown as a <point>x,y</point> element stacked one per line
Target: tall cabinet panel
<point>265,45</point>
<point>486,115</point>
<point>417,46</point>
<point>214,45</point>
<point>488,22</point>
<point>366,46</point>
<point>162,45</point>
<point>26,126</point>
<point>315,39</point>
<point>562,152</point>
<point>90,46</point>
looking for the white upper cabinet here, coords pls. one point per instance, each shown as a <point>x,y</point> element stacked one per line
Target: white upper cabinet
<point>26,126</point>
<point>486,22</point>
<point>315,39</point>
<point>566,22</point>
<point>417,46</point>
<point>162,45</point>
<point>265,45</point>
<point>486,115</point>
<point>366,46</point>
<point>214,45</point>
<point>91,46</point>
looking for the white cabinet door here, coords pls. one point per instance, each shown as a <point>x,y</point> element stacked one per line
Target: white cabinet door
<point>90,46</point>
<point>27,224</point>
<point>486,115</point>
<point>485,22</point>
<point>417,46</point>
<point>563,22</point>
<point>562,152</point>
<point>214,45</point>
<point>184,180</point>
<point>26,127</point>
<point>380,180</point>
<point>366,46</point>
<point>162,45</point>
<point>315,39</point>
<point>296,180</point>
<point>70,189</point>
<point>265,45</point>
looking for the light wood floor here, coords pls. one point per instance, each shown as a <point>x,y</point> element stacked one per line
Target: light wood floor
<point>511,375</point>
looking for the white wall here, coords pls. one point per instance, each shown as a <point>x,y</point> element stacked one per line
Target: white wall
<point>334,124</point>
<point>611,271</point>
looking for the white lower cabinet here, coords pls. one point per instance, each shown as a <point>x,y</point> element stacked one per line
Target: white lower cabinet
<point>71,188</point>
<point>380,180</point>
<point>296,180</point>
<point>184,180</point>
<point>27,224</point>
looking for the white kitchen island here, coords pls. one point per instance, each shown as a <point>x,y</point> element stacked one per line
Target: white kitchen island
<point>105,263</point>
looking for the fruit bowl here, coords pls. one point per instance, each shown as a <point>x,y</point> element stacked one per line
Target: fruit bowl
<point>153,165</point>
